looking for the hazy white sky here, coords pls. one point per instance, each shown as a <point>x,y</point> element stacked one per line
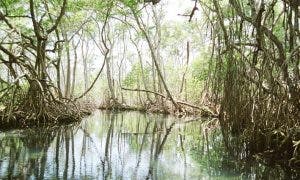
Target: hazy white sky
<point>175,7</point>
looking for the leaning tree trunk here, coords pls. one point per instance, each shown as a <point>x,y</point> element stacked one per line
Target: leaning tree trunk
<point>154,58</point>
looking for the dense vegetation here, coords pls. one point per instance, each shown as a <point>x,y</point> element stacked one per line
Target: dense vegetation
<point>238,60</point>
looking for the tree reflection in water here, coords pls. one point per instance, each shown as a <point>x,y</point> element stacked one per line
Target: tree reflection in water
<point>125,146</point>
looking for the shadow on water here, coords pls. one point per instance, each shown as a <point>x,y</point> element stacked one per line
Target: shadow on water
<point>127,145</point>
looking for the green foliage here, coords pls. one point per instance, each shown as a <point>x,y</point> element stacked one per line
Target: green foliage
<point>135,75</point>
<point>12,6</point>
<point>130,3</point>
<point>200,68</point>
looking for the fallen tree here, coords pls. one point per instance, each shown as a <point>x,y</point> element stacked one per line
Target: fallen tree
<point>205,111</point>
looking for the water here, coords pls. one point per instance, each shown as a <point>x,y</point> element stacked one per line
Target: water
<point>128,145</point>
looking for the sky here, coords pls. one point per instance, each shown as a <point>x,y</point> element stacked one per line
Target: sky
<point>176,7</point>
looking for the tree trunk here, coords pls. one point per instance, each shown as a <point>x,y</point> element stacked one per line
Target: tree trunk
<point>85,69</point>
<point>183,81</point>
<point>58,64</point>
<point>109,78</point>
<point>154,58</point>
<point>142,68</point>
<point>74,67</point>
<point>68,75</point>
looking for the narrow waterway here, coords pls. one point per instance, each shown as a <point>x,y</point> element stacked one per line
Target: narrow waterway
<point>127,145</point>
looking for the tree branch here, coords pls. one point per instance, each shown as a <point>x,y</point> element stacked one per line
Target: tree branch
<point>61,14</point>
<point>161,95</point>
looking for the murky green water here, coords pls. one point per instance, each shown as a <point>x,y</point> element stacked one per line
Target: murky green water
<point>128,145</point>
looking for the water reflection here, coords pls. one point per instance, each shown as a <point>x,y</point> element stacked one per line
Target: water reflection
<point>127,145</point>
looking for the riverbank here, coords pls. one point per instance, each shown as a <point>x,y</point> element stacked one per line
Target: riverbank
<point>74,112</point>
<point>202,111</point>
<point>55,115</point>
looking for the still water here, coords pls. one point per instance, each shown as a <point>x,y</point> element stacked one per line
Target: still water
<point>127,145</point>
